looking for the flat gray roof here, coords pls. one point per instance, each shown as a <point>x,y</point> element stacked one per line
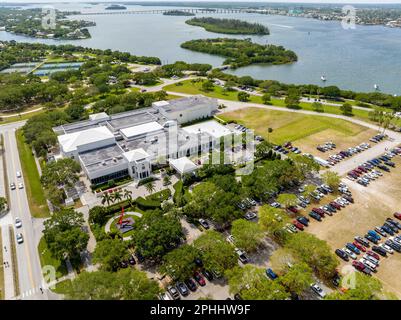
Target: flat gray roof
<point>186,103</point>
<point>132,118</point>
<point>96,160</point>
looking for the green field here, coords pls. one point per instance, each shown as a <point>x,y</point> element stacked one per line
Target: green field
<point>47,259</point>
<point>19,117</point>
<point>288,126</point>
<point>191,87</point>
<point>33,187</point>
<point>62,286</point>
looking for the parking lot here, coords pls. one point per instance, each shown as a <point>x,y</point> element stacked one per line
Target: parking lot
<point>373,204</point>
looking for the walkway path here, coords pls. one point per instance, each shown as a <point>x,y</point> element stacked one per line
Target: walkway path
<point>8,270</point>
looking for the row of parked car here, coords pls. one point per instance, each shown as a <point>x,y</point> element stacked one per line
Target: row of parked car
<point>340,156</point>
<point>377,138</point>
<point>287,148</point>
<point>377,242</point>
<point>241,128</point>
<point>367,171</point>
<point>329,145</point>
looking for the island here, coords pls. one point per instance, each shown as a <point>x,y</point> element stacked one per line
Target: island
<point>178,13</point>
<point>28,22</point>
<point>240,52</point>
<point>116,7</point>
<point>228,26</point>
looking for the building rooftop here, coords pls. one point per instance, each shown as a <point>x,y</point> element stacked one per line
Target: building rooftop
<point>185,103</point>
<point>99,159</point>
<point>211,127</point>
<point>183,165</point>
<point>69,142</point>
<point>132,118</point>
<point>135,155</point>
<point>142,129</point>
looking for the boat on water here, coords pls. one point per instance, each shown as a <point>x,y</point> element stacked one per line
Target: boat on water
<point>376,86</point>
<point>323,78</point>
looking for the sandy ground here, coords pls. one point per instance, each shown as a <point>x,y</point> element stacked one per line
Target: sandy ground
<point>373,204</point>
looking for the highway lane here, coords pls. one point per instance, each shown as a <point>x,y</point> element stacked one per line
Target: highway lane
<point>29,269</point>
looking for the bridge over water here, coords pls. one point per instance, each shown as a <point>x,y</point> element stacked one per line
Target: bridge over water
<point>161,11</point>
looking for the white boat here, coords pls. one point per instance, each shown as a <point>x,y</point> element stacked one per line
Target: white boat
<point>323,78</point>
<point>376,87</point>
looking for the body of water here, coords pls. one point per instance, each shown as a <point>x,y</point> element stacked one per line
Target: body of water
<point>351,59</point>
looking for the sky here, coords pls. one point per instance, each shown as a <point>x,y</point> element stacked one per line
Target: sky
<point>265,1</point>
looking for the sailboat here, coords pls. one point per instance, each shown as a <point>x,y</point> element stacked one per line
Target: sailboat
<point>376,86</point>
<point>323,78</point>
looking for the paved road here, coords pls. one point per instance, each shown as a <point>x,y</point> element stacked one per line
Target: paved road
<point>29,269</point>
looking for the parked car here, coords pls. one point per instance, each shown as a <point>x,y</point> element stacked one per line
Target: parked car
<point>208,275</point>
<point>250,215</point>
<point>303,220</point>
<point>315,216</point>
<point>362,241</point>
<point>173,292</point>
<point>199,279</point>
<point>380,251</point>
<point>241,255</point>
<point>351,247</point>
<point>351,254</point>
<point>191,284</point>
<point>342,254</point>
<point>298,225</point>
<point>271,275</point>
<point>318,290</point>
<point>373,254</point>
<point>204,223</point>
<point>397,215</point>
<point>182,288</point>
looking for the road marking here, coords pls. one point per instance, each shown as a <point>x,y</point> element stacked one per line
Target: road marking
<point>20,210</point>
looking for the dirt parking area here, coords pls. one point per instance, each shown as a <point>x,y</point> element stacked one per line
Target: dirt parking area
<point>373,204</point>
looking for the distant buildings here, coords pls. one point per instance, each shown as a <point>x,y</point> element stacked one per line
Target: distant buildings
<point>129,143</point>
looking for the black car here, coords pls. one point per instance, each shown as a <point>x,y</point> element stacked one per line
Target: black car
<point>182,288</point>
<point>348,198</point>
<point>198,262</point>
<point>331,208</point>
<point>371,239</point>
<point>362,241</point>
<point>315,216</point>
<point>383,167</point>
<point>394,223</point>
<point>388,230</point>
<point>191,284</point>
<point>380,251</point>
<point>393,245</point>
<point>303,220</point>
<point>342,254</point>
<point>389,163</point>
<point>389,225</point>
<point>207,275</point>
<point>237,296</point>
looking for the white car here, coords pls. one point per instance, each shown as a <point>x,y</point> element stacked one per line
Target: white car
<point>18,174</point>
<point>371,259</point>
<point>20,238</point>
<point>387,248</point>
<point>319,291</point>
<point>18,223</point>
<point>350,253</point>
<point>231,239</point>
<point>20,185</point>
<point>368,263</point>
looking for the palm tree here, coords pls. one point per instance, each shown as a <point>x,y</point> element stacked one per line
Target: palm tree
<point>117,196</point>
<point>167,179</point>
<point>106,197</point>
<point>150,186</point>
<point>128,195</point>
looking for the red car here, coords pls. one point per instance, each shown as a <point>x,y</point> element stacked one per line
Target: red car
<point>319,211</point>
<point>358,265</point>
<point>293,209</point>
<point>373,254</point>
<point>298,225</point>
<point>397,215</point>
<point>335,205</point>
<point>359,246</point>
<point>199,279</point>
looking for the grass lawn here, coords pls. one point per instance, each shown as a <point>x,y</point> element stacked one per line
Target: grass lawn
<point>1,271</point>
<point>20,117</point>
<point>62,286</point>
<point>290,126</point>
<point>47,259</point>
<point>218,92</point>
<point>33,187</point>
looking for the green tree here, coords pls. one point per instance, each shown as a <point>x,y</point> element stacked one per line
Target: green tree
<point>314,252</point>
<point>125,284</point>
<point>266,98</point>
<point>317,106</point>
<point>117,196</point>
<point>150,187</point>
<point>287,199</point>
<point>107,198</point>
<point>98,215</point>
<point>207,86</point>
<point>273,221</point>
<point>155,234</point>
<point>248,235</point>
<point>166,180</point>
<point>128,196</point>
<point>297,278</point>
<point>179,263</point>
<point>332,179</point>
<point>63,234</point>
<point>346,109</point>
<point>217,253</point>
<point>361,287</point>
<point>243,96</point>
<point>292,99</point>
<point>3,204</point>
<point>251,283</point>
<point>109,253</point>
